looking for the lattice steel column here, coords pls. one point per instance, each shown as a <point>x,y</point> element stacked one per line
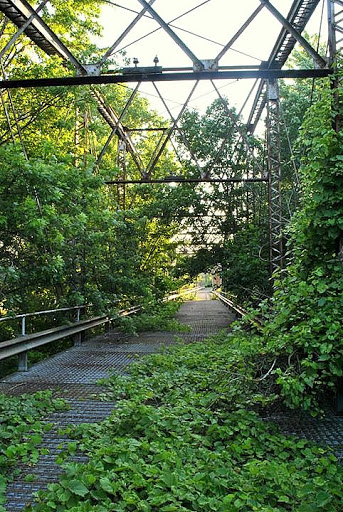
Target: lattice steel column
<point>335,29</point>
<point>335,34</point>
<point>274,177</point>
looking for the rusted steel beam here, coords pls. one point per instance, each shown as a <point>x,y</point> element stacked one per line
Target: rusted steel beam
<point>166,77</point>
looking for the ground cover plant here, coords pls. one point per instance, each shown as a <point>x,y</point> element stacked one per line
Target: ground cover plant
<point>158,317</point>
<point>185,436</point>
<point>21,430</point>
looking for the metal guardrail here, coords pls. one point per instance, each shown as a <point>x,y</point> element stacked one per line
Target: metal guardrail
<point>22,344</point>
<point>174,296</point>
<point>127,312</point>
<point>23,316</point>
<point>239,310</point>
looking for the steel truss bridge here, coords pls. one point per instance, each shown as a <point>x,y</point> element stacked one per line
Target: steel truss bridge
<point>29,23</point>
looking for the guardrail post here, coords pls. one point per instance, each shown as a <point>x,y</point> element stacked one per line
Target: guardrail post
<point>22,362</point>
<point>83,333</point>
<point>108,325</point>
<point>77,338</point>
<point>22,358</point>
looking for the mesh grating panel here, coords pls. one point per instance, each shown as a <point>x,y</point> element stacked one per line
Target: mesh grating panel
<point>326,432</point>
<point>73,375</point>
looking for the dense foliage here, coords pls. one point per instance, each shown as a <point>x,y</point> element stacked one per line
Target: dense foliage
<point>185,434</point>
<point>304,321</point>
<point>183,437</point>
<point>66,238</point>
<point>228,224</point>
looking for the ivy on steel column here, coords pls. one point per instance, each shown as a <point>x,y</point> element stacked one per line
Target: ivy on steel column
<point>274,177</point>
<point>335,41</point>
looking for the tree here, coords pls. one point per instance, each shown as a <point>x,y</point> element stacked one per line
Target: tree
<point>228,223</point>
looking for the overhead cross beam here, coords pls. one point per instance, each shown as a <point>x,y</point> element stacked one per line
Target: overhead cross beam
<point>181,179</point>
<point>268,74</point>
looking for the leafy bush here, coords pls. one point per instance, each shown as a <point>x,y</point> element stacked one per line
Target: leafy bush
<point>160,317</point>
<point>304,328</point>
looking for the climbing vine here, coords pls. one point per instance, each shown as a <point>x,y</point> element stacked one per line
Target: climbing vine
<point>304,327</point>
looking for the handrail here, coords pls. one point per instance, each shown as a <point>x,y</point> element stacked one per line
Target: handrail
<point>22,344</point>
<point>184,292</point>
<point>127,312</point>
<point>239,310</point>
<point>37,313</point>
<point>23,316</point>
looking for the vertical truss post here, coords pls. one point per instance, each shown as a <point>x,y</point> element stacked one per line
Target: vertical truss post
<point>274,177</point>
<point>335,36</point>
<point>121,163</point>
<point>335,29</point>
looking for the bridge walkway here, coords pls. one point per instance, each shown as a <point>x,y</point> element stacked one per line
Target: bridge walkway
<point>73,375</point>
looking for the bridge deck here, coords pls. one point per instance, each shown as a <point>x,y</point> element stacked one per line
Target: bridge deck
<point>73,374</point>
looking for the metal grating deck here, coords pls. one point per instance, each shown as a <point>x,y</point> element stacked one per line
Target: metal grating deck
<point>73,375</point>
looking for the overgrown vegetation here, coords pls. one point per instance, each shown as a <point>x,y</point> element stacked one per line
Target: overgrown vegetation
<point>185,434</point>
<point>66,238</point>
<point>21,430</point>
<point>304,317</point>
<point>159,318</point>
<point>184,437</point>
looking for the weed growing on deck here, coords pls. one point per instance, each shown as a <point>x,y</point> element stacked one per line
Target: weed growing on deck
<point>21,429</point>
<point>184,437</point>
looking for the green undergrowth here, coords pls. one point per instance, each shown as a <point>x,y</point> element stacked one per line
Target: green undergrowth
<point>158,318</point>
<point>186,436</point>
<point>303,319</point>
<point>21,430</point>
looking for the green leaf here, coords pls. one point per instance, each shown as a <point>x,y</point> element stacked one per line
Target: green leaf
<point>77,487</point>
<point>107,485</point>
<point>322,287</point>
<point>323,498</point>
